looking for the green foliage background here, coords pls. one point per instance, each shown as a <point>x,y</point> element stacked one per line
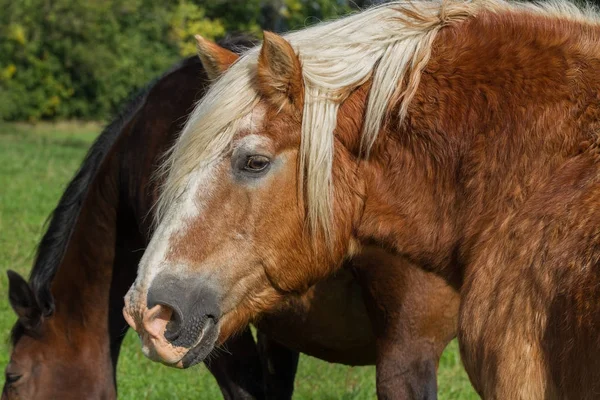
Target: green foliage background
<point>63,59</point>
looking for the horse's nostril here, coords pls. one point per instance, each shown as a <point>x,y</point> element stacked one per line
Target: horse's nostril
<point>213,317</point>
<point>184,306</point>
<point>173,329</point>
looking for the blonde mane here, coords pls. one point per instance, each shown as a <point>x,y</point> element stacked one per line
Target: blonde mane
<point>391,44</point>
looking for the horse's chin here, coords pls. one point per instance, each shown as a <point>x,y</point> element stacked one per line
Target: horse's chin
<point>197,354</point>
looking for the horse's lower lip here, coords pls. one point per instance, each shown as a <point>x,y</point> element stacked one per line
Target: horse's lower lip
<point>198,353</point>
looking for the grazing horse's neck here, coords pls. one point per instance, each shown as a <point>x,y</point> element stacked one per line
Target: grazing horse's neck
<point>80,286</point>
<point>99,265</point>
<point>501,106</point>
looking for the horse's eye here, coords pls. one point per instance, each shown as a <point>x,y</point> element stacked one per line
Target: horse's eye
<point>256,163</point>
<point>12,378</point>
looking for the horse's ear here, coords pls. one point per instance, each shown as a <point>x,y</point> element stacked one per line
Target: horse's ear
<point>280,72</point>
<point>23,301</point>
<point>215,59</point>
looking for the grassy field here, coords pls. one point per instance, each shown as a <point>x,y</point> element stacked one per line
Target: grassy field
<point>36,162</point>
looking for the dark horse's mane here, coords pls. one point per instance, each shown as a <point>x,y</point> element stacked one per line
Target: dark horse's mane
<point>62,220</point>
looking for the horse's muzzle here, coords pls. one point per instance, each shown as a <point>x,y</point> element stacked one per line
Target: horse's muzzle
<point>178,324</point>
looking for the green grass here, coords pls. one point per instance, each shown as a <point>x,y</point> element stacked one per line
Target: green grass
<point>36,162</point>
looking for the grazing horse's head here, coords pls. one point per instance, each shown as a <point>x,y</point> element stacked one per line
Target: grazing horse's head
<point>263,188</point>
<point>49,359</point>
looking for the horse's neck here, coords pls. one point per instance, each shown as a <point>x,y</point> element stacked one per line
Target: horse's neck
<point>81,284</point>
<point>495,117</point>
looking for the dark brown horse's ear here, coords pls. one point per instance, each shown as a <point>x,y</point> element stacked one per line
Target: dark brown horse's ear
<point>23,301</point>
<point>280,72</point>
<point>215,59</point>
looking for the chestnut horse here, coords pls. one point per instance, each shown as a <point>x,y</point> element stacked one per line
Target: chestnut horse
<point>67,339</point>
<point>460,135</point>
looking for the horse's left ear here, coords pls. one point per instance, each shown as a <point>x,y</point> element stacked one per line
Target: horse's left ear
<point>23,301</point>
<point>215,59</point>
<point>280,72</point>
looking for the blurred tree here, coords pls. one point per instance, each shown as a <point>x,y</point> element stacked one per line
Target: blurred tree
<point>189,19</point>
<point>81,59</point>
<point>77,59</point>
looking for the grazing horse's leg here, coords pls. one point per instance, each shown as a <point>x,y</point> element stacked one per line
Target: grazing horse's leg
<point>279,367</point>
<point>237,370</point>
<point>413,314</point>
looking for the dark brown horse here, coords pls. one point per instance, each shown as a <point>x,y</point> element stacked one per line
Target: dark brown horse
<point>461,135</point>
<point>92,248</point>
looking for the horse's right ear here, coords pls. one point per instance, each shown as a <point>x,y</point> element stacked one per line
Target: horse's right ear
<point>23,301</point>
<point>215,59</point>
